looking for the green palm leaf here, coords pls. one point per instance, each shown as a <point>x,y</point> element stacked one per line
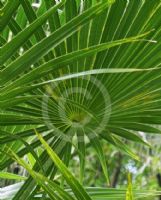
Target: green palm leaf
<point>76,69</point>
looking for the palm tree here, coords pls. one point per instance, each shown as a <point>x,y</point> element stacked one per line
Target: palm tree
<point>75,72</point>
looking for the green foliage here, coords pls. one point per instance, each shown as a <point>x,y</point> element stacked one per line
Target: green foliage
<point>129,193</point>
<point>80,73</point>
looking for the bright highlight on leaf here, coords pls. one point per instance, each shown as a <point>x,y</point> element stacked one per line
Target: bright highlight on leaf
<point>6,175</point>
<point>129,193</point>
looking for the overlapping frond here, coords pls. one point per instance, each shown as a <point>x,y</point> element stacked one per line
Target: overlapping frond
<point>77,68</point>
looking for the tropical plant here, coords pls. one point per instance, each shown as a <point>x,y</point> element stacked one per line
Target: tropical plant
<point>74,73</point>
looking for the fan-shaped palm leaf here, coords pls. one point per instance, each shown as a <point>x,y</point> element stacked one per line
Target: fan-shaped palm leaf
<point>77,68</point>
